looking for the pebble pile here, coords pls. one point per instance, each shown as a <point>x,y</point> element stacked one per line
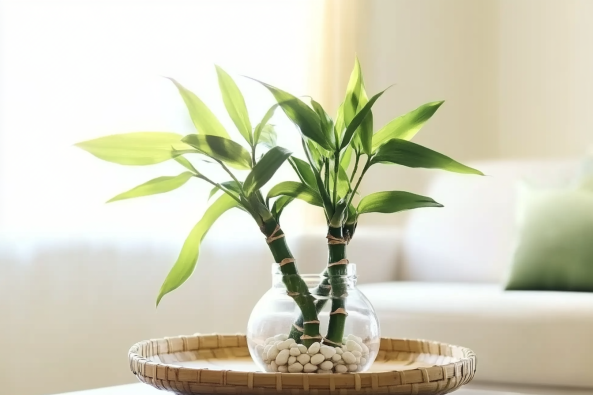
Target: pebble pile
<point>286,356</point>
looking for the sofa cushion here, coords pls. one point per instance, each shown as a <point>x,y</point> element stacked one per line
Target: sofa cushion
<point>520,337</point>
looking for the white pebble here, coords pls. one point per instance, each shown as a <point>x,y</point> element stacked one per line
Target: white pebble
<point>282,357</point>
<point>352,368</point>
<point>302,348</point>
<point>309,368</point>
<point>272,353</point>
<point>365,349</point>
<point>358,360</point>
<point>327,365</point>
<point>363,361</point>
<point>336,357</point>
<point>281,337</point>
<point>340,362</point>
<point>317,359</point>
<point>324,371</point>
<point>291,360</point>
<point>355,338</point>
<point>285,344</point>
<point>268,368</point>
<point>314,349</point>
<point>341,369</point>
<point>295,368</point>
<point>265,352</point>
<point>283,369</point>
<point>327,351</point>
<point>357,353</point>
<point>339,350</point>
<point>303,359</point>
<point>348,357</point>
<point>269,340</point>
<point>274,366</point>
<point>295,352</point>
<point>352,346</point>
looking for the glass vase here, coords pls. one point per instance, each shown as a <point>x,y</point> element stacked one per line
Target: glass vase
<point>271,329</point>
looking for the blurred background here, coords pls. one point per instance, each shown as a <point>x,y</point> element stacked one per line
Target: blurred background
<point>78,276</point>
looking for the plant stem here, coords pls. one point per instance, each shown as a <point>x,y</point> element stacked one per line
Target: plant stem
<point>326,183</point>
<point>253,155</point>
<point>336,172</point>
<point>295,285</point>
<point>364,170</point>
<point>337,272</point>
<point>231,174</point>
<point>322,290</point>
<point>355,167</point>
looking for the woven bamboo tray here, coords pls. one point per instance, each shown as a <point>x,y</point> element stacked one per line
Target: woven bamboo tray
<point>220,364</point>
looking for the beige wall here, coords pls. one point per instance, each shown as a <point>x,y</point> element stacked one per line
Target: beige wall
<point>517,75</point>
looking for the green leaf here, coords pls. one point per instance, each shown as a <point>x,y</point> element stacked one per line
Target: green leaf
<point>325,197</point>
<point>410,154</point>
<point>295,190</point>
<point>221,149</point>
<point>233,186</point>
<point>406,126</point>
<point>346,157</point>
<point>235,104</point>
<point>187,164</point>
<point>137,148</point>
<point>303,171</point>
<point>260,126</point>
<point>264,169</point>
<point>353,90</point>
<point>311,148</point>
<point>302,115</point>
<point>188,257</point>
<point>268,136</point>
<point>339,124</point>
<point>352,214</point>
<point>394,201</point>
<point>204,120</point>
<point>365,130</point>
<point>356,122</point>
<point>279,206</point>
<point>327,125</point>
<point>155,186</point>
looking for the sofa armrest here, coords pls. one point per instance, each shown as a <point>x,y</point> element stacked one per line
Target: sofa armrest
<point>375,252</point>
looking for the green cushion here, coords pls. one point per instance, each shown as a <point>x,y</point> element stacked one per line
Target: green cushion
<point>555,249</point>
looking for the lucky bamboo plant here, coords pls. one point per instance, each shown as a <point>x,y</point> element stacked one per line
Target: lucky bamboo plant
<point>327,180</point>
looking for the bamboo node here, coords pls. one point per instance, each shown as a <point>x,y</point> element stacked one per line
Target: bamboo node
<point>326,340</point>
<point>311,322</point>
<point>327,286</point>
<point>307,337</point>
<point>298,328</point>
<point>293,294</point>
<point>271,238</point>
<point>334,240</point>
<point>285,261</point>
<point>340,262</point>
<point>341,310</point>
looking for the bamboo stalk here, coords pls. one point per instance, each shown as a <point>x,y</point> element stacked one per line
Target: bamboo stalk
<point>337,271</point>
<point>322,289</point>
<point>295,285</point>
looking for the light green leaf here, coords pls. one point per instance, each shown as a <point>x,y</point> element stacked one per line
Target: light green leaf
<point>339,124</point>
<point>137,148</point>
<point>221,149</point>
<point>268,136</point>
<point>394,201</point>
<point>232,186</point>
<point>310,147</point>
<point>352,215</point>
<point>264,169</point>
<point>185,163</point>
<point>295,190</point>
<point>155,186</point>
<point>410,154</point>
<point>235,104</point>
<point>406,126</point>
<point>346,157</point>
<point>357,121</point>
<point>323,193</point>
<point>365,131</point>
<point>279,206</point>
<point>303,171</point>
<point>301,114</point>
<point>204,120</point>
<point>353,91</point>
<point>327,125</point>
<point>188,257</point>
<point>260,126</point>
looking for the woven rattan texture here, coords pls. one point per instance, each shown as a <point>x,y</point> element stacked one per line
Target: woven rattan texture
<point>442,369</point>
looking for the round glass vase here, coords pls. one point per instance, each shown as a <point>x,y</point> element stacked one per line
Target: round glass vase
<point>272,319</point>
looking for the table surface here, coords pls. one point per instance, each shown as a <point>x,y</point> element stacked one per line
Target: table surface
<point>144,389</point>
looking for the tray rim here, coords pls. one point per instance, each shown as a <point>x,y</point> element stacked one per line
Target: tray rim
<point>437,379</point>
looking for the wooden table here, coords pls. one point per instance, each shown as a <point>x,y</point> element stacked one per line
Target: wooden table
<point>143,389</point>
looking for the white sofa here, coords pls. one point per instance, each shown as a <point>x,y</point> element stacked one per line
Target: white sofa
<point>72,303</point>
<point>452,265</point>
